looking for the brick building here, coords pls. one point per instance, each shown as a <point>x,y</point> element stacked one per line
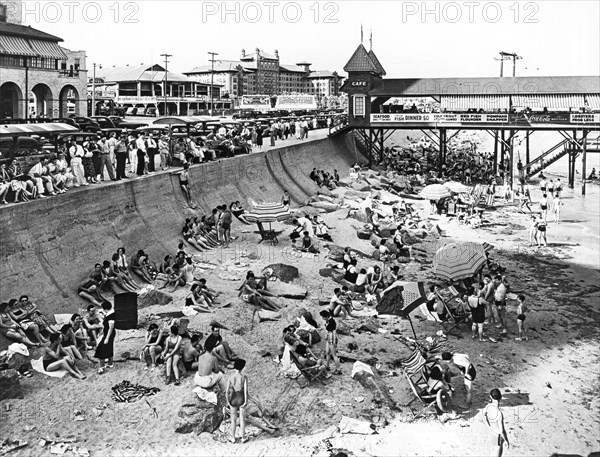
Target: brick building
<point>38,77</point>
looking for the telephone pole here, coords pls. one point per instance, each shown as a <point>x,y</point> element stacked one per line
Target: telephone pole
<point>212,76</point>
<point>166,56</point>
<point>508,56</point>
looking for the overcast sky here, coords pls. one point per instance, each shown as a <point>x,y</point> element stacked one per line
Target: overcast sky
<point>411,39</point>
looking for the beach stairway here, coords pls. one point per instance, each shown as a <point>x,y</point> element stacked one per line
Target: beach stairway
<point>547,158</point>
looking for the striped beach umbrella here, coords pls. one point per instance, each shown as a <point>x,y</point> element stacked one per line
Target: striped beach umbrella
<point>401,298</point>
<point>458,261</point>
<point>435,192</point>
<point>268,212</point>
<point>457,187</point>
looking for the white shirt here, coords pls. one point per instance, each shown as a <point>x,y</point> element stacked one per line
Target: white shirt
<point>112,144</point>
<point>140,144</point>
<point>222,131</point>
<point>500,293</point>
<point>306,225</point>
<point>37,169</point>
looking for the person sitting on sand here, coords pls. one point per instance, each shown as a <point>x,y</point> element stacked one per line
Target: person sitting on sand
<point>375,280</point>
<point>307,244</point>
<point>35,315</point>
<point>236,394</point>
<point>521,310</point>
<point>308,360</point>
<point>82,339</point>
<point>209,374</point>
<point>175,279</point>
<point>360,285</point>
<point>26,324</point>
<point>351,272</point>
<point>54,358</point>
<point>210,295</point>
<point>171,354</point>
<point>191,349</point>
<point>92,322</point>
<point>220,348</point>
<point>238,211</point>
<point>593,174</point>
<point>197,301</point>
<point>10,329</point>
<point>340,304</point>
<point>165,265</point>
<point>69,342</point>
<point>321,228</point>
<point>436,382</point>
<point>138,266</point>
<point>123,279</point>
<point>288,338</point>
<point>152,348</point>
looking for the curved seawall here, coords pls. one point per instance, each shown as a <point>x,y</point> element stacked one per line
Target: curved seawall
<point>48,246</point>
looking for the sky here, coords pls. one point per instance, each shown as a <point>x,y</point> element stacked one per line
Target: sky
<point>411,38</point>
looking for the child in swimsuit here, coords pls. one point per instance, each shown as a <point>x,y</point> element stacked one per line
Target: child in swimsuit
<point>521,309</point>
<point>236,394</point>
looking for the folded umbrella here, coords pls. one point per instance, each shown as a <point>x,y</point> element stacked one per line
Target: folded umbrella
<point>401,298</point>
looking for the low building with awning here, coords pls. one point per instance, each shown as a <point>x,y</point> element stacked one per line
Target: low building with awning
<point>38,77</point>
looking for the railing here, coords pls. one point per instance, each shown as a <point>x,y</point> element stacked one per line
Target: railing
<point>541,158</point>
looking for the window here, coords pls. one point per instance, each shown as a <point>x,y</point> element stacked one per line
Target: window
<point>359,106</point>
<point>2,13</point>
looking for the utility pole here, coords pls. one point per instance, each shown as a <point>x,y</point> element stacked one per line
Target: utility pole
<point>166,56</point>
<point>508,56</point>
<point>212,76</point>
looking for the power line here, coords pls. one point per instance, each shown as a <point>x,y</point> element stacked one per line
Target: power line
<point>508,56</point>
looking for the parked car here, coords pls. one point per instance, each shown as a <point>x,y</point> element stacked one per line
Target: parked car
<point>151,111</point>
<point>104,122</point>
<point>87,125</point>
<point>131,111</point>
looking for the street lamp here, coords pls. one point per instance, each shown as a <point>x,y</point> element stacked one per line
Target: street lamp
<point>166,56</point>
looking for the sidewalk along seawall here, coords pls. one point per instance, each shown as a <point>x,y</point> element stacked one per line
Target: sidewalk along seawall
<point>48,246</point>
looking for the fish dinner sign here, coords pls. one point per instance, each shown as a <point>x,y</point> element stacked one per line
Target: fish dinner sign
<point>435,118</point>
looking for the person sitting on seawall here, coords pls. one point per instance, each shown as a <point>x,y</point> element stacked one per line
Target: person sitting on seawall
<point>34,314</point>
<point>55,358</point>
<point>138,266</point>
<point>239,212</point>
<point>11,329</point>
<point>21,317</point>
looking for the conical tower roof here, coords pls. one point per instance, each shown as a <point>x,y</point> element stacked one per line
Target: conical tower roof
<point>380,70</point>
<point>361,61</point>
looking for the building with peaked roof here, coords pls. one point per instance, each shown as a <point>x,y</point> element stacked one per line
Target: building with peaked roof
<point>261,73</point>
<point>143,86</point>
<point>38,77</point>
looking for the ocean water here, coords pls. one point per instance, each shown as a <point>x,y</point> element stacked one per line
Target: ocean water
<point>580,214</point>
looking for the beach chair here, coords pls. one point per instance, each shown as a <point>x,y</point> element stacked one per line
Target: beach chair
<point>454,317</point>
<point>416,370</point>
<point>309,374</point>
<point>267,235</point>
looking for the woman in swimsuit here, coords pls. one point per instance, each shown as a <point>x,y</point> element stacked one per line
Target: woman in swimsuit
<point>137,265</point>
<point>124,280</point>
<point>152,347</point>
<point>285,199</point>
<point>184,177</point>
<point>55,358</point>
<point>171,354</point>
<point>188,236</point>
<point>237,210</point>
<point>197,301</point>
<point>477,305</point>
<point>11,329</point>
<point>544,207</point>
<point>69,343</point>
<point>236,394</point>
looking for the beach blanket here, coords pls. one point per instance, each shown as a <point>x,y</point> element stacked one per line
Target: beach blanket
<point>350,425</point>
<point>288,369</point>
<point>125,392</point>
<point>39,367</point>
<point>62,319</point>
<point>205,395</point>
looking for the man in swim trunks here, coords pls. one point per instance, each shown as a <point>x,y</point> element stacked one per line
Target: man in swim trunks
<point>191,350</point>
<point>209,373</point>
<point>494,418</point>
<point>462,362</point>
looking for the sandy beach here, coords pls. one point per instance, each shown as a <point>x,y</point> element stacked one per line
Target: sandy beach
<point>550,383</point>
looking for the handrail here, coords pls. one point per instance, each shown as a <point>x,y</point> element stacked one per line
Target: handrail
<point>545,154</point>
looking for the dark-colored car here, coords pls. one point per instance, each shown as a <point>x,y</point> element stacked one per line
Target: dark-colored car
<point>104,122</point>
<point>87,125</point>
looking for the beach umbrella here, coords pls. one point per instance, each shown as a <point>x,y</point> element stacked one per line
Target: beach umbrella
<point>401,298</point>
<point>458,261</point>
<point>435,192</point>
<point>457,187</point>
<point>268,212</point>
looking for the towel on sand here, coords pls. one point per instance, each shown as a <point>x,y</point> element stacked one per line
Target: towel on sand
<point>203,394</point>
<point>39,367</point>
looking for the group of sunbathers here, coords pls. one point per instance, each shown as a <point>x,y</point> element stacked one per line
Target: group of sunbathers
<point>325,179</point>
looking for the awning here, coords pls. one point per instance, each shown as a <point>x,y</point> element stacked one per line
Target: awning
<point>36,129</point>
<point>548,101</point>
<point>47,49</point>
<point>16,46</point>
<point>593,101</point>
<point>464,102</point>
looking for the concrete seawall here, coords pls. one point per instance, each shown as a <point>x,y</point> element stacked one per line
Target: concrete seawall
<point>48,246</point>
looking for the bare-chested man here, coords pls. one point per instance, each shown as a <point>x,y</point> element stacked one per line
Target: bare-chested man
<point>209,373</point>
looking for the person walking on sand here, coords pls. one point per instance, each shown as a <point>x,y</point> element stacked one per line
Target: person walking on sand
<point>521,310</point>
<point>533,231</point>
<point>544,207</point>
<point>236,394</point>
<point>541,231</point>
<point>331,341</point>
<point>494,419</point>
<point>556,204</point>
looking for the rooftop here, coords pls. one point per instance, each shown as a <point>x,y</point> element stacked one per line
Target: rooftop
<point>154,73</point>
<point>26,31</point>
<point>361,61</point>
